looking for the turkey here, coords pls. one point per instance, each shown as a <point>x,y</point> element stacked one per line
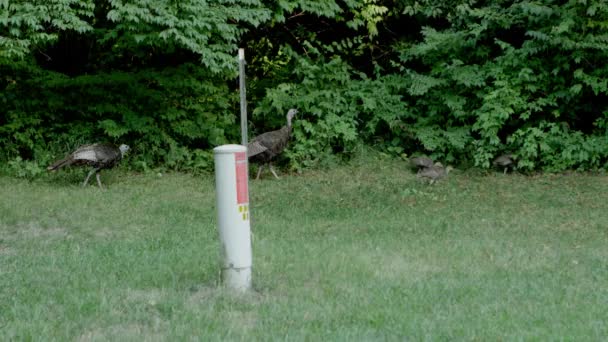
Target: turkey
<point>506,161</point>
<point>421,162</point>
<point>263,148</point>
<point>99,156</point>
<point>434,172</point>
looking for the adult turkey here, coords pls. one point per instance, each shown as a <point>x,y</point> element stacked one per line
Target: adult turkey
<point>421,162</point>
<point>99,156</point>
<point>434,172</point>
<point>265,147</point>
<point>506,161</point>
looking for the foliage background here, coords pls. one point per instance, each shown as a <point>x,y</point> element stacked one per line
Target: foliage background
<point>462,81</point>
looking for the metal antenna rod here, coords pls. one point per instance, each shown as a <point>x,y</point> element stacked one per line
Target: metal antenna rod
<point>243,97</point>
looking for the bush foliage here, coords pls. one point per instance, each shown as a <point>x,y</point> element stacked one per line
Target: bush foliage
<point>462,81</point>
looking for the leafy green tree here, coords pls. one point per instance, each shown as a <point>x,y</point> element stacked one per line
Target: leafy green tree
<point>460,80</point>
<point>509,76</point>
<point>27,26</point>
<point>150,73</point>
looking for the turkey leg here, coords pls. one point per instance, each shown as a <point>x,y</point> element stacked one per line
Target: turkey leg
<point>88,176</point>
<point>272,170</point>
<point>98,175</point>
<point>259,172</point>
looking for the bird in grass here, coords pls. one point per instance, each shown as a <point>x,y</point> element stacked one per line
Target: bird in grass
<point>421,162</point>
<point>98,156</point>
<point>434,172</point>
<point>265,147</point>
<point>505,161</point>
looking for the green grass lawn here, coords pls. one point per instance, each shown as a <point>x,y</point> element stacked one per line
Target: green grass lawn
<point>359,252</point>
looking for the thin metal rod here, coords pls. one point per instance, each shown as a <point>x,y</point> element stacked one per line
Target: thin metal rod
<point>243,97</point>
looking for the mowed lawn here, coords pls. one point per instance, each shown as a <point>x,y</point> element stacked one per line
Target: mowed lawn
<point>364,252</point>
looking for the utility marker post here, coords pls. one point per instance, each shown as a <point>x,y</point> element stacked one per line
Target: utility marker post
<point>243,97</point>
<point>232,193</point>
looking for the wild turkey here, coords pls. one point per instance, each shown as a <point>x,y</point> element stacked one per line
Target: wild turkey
<point>421,162</point>
<point>506,160</point>
<point>99,156</point>
<point>434,172</point>
<point>263,148</point>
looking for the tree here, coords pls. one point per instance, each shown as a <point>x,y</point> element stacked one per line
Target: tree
<point>150,72</point>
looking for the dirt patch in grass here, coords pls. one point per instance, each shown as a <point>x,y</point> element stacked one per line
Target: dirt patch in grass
<point>33,230</point>
<point>401,267</point>
<point>151,297</point>
<point>200,295</point>
<point>105,232</point>
<point>154,330</point>
<point>5,250</point>
<point>38,232</point>
<point>242,320</point>
<point>125,332</point>
<point>242,316</point>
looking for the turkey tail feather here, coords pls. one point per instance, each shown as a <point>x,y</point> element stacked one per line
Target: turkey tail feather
<point>60,163</point>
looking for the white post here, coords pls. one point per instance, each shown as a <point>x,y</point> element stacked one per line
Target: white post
<point>243,97</point>
<point>231,187</point>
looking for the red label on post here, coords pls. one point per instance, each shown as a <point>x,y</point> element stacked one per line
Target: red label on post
<point>242,193</point>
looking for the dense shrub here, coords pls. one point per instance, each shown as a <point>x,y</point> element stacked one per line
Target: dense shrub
<point>516,76</point>
<point>339,108</point>
<point>461,81</point>
<point>148,73</point>
<point>171,117</point>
